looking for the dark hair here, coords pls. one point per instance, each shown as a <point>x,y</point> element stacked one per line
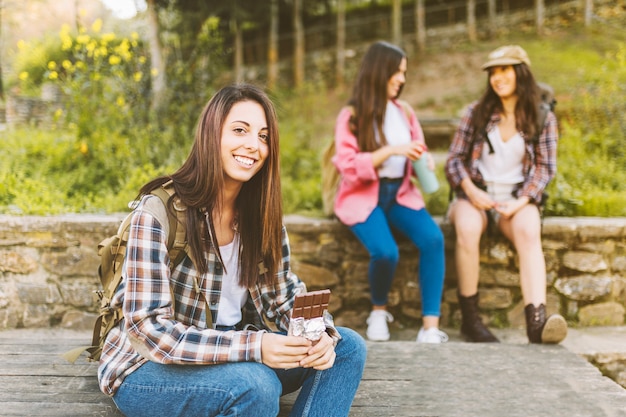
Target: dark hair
<point>200,181</point>
<point>526,109</point>
<point>369,95</point>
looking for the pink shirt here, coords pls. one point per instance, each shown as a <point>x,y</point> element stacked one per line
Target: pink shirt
<point>357,195</point>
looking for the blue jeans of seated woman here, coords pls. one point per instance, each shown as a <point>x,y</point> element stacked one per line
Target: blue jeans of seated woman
<point>244,388</point>
<point>375,234</point>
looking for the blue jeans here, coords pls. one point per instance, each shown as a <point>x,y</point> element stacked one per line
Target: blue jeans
<point>244,388</point>
<point>417,225</point>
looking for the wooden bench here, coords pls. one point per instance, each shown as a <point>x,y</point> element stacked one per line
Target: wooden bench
<point>401,379</point>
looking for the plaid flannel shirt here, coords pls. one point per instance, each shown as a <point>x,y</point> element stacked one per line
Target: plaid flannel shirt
<point>539,163</point>
<point>152,331</point>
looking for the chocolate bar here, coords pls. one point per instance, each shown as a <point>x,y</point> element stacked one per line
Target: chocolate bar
<point>311,305</point>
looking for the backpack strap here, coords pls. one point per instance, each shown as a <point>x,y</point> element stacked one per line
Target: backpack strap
<point>177,238</point>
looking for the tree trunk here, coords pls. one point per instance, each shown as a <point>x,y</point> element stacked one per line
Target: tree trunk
<point>238,64</point>
<point>159,81</point>
<point>540,6</point>
<point>341,43</point>
<point>588,12</point>
<point>1,81</point>
<point>272,50</point>
<point>298,53</point>
<point>491,10</point>
<point>420,24</point>
<point>396,22</point>
<point>471,20</point>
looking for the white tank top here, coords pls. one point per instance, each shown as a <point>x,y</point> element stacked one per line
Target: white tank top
<point>504,165</point>
<point>397,132</point>
<point>233,296</point>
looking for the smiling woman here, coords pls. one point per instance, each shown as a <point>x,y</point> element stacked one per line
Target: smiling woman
<point>209,310</point>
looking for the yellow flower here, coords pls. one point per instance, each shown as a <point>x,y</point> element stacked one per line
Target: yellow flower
<point>53,75</point>
<point>120,101</point>
<point>114,60</point>
<point>52,65</point>
<point>142,59</point>
<point>138,76</point>
<point>97,25</point>
<point>82,39</point>
<point>134,35</point>
<point>83,148</point>
<point>67,64</point>
<point>108,37</point>
<point>21,44</point>
<point>23,76</point>
<point>81,65</point>
<point>58,113</point>
<point>154,72</point>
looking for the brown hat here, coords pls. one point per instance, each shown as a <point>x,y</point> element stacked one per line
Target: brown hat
<point>506,55</point>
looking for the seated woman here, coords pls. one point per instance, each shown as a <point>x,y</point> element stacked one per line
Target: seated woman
<point>499,163</point>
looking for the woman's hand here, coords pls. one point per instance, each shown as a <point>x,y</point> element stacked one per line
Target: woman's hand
<point>479,198</point>
<point>507,209</point>
<point>284,352</point>
<point>322,355</point>
<point>412,150</point>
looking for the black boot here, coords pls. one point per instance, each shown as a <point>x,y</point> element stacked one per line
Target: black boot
<point>472,326</point>
<point>540,329</point>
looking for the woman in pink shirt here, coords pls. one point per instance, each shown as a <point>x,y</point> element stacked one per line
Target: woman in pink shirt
<point>376,139</point>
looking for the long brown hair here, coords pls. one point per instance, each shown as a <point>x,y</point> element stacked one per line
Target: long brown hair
<point>526,109</point>
<point>369,95</point>
<point>200,180</point>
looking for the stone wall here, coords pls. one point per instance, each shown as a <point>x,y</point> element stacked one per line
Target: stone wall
<point>48,271</point>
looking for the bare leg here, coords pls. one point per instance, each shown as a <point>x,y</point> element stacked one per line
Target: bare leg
<point>469,224</point>
<point>524,231</point>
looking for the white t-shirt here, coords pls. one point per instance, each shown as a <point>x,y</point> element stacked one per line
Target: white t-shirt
<point>504,165</point>
<point>397,132</point>
<point>233,296</point>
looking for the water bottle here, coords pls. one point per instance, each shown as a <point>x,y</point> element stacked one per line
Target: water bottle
<point>428,179</point>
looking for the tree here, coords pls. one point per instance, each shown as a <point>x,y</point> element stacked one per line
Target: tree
<point>471,20</point>
<point>1,81</point>
<point>159,80</point>
<point>341,42</point>
<point>298,50</point>
<point>420,24</point>
<point>588,12</point>
<point>235,28</point>
<point>491,12</point>
<point>540,10</point>
<point>396,22</point>
<point>272,49</point>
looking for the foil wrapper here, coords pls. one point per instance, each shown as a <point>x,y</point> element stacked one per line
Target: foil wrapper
<point>312,329</point>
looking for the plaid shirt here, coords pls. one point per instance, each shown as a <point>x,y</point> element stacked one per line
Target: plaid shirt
<point>152,331</point>
<point>539,163</point>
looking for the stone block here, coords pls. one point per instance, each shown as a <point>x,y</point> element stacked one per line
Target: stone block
<point>601,314</point>
<point>315,277</point>
<point>78,320</point>
<point>38,294</point>
<point>584,287</point>
<point>11,261</point>
<point>73,262</point>
<point>584,261</point>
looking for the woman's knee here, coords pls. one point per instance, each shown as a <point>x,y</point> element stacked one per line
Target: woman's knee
<point>351,347</point>
<point>389,255</point>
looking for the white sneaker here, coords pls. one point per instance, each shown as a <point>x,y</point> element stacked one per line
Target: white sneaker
<point>432,335</point>
<point>377,329</point>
